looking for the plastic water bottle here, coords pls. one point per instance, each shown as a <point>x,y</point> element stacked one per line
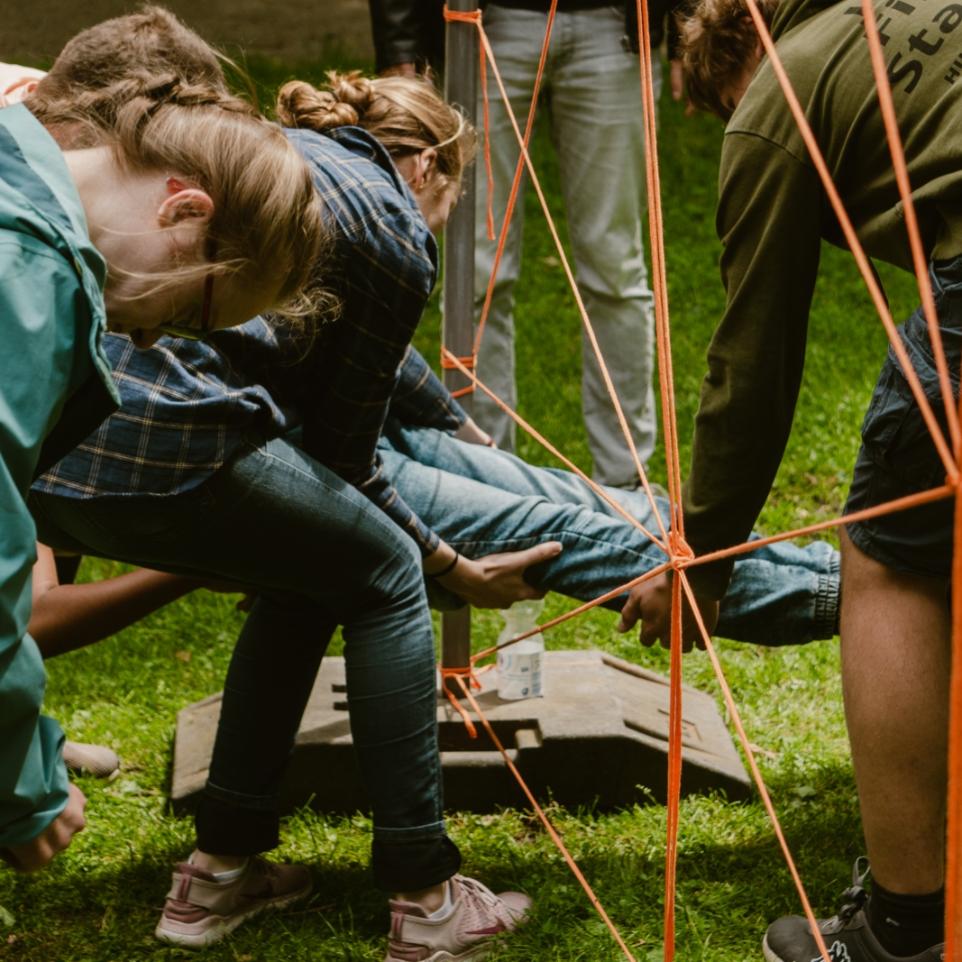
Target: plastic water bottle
<point>520,666</point>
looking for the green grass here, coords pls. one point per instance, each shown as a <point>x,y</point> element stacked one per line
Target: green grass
<point>99,902</point>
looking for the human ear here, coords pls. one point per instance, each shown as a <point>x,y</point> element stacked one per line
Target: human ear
<point>425,167</point>
<point>184,203</point>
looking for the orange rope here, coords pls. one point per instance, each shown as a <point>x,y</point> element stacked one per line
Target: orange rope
<point>546,822</point>
<point>460,674</point>
<point>455,364</point>
<point>563,257</point>
<point>753,765</point>
<point>515,182</point>
<point>580,610</point>
<point>680,556</point>
<point>953,859</point>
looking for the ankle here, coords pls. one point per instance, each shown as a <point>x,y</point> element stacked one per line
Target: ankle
<point>217,864</point>
<point>906,924</point>
<point>430,899</point>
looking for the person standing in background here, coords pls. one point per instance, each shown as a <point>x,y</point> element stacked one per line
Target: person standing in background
<point>593,105</point>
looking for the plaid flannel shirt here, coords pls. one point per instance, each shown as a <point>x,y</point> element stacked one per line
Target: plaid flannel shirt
<point>187,406</point>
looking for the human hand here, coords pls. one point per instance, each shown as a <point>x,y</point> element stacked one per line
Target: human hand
<point>497,580</point>
<point>650,602</point>
<point>470,433</point>
<point>230,588</point>
<point>38,852</point>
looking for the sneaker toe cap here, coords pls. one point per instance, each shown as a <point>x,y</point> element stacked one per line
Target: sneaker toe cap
<point>787,939</point>
<point>517,903</point>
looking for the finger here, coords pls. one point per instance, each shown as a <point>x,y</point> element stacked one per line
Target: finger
<point>653,631</point>
<point>630,614</point>
<point>537,554</point>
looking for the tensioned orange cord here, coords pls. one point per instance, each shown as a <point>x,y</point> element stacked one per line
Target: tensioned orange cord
<point>679,549</point>
<point>753,765</point>
<point>516,180</point>
<point>454,363</point>
<point>953,858</point>
<point>569,274</point>
<point>680,562</point>
<point>546,822</point>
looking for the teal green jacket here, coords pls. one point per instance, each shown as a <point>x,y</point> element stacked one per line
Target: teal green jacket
<point>51,318</point>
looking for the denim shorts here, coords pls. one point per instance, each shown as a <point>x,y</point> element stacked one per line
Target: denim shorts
<point>898,456</point>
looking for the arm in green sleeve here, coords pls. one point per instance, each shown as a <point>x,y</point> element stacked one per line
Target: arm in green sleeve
<point>40,308</point>
<point>769,222</point>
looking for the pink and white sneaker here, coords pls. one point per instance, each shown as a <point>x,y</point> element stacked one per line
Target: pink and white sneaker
<point>466,933</point>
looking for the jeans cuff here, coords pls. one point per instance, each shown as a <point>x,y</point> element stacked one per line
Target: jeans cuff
<point>226,828</point>
<point>408,864</point>
<point>828,599</point>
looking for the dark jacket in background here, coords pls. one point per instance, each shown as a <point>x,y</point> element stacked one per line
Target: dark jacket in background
<point>412,31</point>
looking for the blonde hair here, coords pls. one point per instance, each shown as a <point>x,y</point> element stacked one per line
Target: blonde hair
<point>718,41</point>
<point>406,114</point>
<point>267,220</point>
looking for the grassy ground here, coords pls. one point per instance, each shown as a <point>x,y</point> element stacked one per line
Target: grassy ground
<point>99,903</point>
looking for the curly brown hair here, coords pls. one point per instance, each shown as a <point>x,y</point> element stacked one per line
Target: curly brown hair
<point>718,40</point>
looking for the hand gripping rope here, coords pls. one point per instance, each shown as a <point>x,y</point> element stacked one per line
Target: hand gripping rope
<point>671,540</point>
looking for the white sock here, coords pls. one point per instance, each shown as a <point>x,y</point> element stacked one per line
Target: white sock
<point>447,906</point>
<point>227,876</point>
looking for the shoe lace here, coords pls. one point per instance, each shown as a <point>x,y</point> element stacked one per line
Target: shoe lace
<point>478,893</point>
<point>853,898</point>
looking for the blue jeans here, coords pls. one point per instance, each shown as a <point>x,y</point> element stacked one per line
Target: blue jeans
<point>318,554</point>
<point>482,500</point>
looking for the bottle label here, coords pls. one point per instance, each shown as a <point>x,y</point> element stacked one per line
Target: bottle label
<point>520,670</point>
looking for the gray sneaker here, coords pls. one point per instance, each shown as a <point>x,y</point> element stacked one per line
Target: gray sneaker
<point>847,935</point>
<point>465,934</point>
<point>200,909</point>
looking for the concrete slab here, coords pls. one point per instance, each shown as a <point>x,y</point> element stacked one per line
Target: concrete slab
<point>599,736</point>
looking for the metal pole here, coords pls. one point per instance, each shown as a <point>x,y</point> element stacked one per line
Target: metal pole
<point>460,87</point>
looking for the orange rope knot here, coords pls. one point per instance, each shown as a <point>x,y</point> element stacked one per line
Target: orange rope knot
<point>451,363</point>
<point>461,16</point>
<point>466,679</point>
<point>681,552</point>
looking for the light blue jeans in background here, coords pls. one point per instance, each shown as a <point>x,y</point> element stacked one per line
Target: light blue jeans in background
<point>482,501</point>
<point>592,104</point>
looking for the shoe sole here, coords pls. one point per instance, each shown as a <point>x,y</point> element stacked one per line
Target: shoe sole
<point>474,954</point>
<point>224,926</point>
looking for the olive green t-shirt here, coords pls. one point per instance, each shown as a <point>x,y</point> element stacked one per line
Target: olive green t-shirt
<point>773,213</point>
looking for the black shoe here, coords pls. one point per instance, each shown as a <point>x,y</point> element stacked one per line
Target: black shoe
<point>847,935</point>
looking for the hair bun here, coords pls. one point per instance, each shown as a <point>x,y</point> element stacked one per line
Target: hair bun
<point>344,101</point>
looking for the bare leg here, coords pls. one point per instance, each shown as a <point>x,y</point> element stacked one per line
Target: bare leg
<point>895,632</point>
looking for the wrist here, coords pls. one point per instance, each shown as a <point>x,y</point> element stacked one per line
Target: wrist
<point>447,569</point>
